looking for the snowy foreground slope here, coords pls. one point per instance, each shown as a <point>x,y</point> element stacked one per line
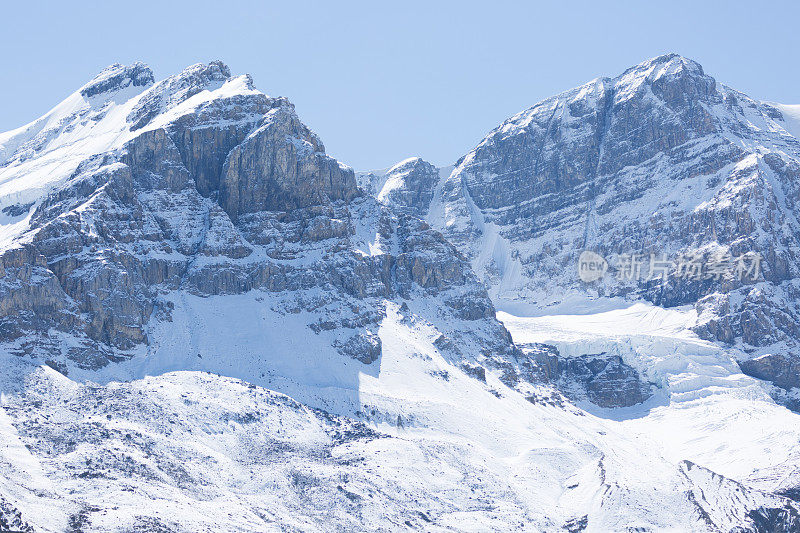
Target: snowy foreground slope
<point>195,451</point>
<point>208,324</point>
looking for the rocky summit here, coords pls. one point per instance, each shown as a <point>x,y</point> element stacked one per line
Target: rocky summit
<point>209,324</point>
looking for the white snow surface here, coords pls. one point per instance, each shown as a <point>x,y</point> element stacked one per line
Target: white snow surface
<point>204,452</point>
<point>791,118</point>
<point>707,411</point>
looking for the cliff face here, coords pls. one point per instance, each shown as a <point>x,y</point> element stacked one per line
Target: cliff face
<point>661,163</point>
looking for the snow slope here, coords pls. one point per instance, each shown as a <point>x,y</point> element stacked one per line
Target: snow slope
<point>707,412</point>
<point>791,118</point>
<point>435,449</point>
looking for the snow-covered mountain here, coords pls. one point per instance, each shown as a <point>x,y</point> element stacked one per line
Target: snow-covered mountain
<point>208,324</point>
<point>661,163</point>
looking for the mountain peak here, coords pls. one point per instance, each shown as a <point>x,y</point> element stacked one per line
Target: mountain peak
<point>670,62</point>
<point>406,164</point>
<point>665,70</point>
<point>175,89</point>
<point>213,71</point>
<point>117,76</point>
<point>409,186</point>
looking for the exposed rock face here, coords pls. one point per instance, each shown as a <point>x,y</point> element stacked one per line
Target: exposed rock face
<point>577,171</point>
<point>409,186</point>
<point>660,160</point>
<point>602,379</point>
<point>205,149</point>
<point>605,380</point>
<point>117,77</point>
<point>11,519</point>
<point>782,370</point>
<point>608,381</point>
<point>268,173</point>
<point>175,90</point>
<point>32,298</point>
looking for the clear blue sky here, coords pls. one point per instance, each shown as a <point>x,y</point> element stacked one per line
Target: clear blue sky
<point>382,81</point>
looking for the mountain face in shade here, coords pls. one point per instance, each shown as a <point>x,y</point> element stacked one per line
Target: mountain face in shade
<point>209,324</point>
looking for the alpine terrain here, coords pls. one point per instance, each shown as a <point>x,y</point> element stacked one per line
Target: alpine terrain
<point>209,324</point>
